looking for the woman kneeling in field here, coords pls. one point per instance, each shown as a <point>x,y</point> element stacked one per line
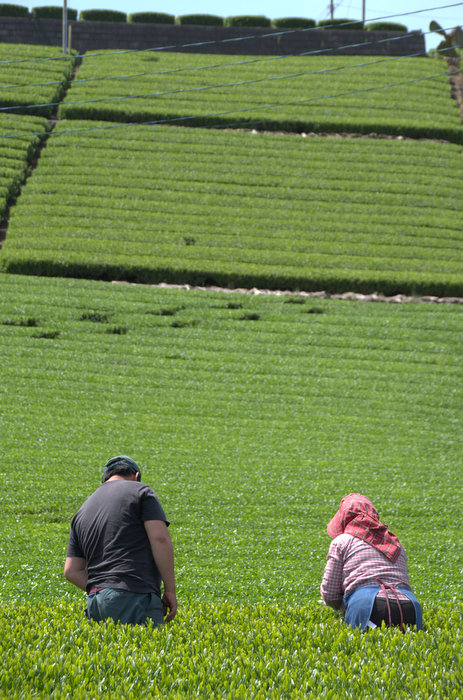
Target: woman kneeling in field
<point>366,570</point>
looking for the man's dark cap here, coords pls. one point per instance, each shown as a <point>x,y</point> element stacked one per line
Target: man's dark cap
<point>124,461</point>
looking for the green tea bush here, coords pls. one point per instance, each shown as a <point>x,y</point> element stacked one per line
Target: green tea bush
<point>248,21</point>
<point>152,18</point>
<point>394,228</point>
<point>304,94</point>
<point>294,23</point>
<point>102,16</point>
<point>386,27</point>
<point>339,23</point>
<point>53,12</point>
<point>226,651</point>
<point>10,10</point>
<point>204,20</point>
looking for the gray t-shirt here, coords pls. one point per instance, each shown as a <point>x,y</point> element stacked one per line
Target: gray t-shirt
<point>108,532</point>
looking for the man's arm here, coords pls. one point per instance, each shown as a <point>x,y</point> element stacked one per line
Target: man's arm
<point>75,570</point>
<point>163,553</point>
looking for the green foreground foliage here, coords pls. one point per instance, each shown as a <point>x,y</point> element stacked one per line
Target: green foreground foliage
<point>162,204</point>
<point>265,652</point>
<point>407,96</point>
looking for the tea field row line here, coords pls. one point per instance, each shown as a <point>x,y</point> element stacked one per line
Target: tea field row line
<point>122,227</point>
<point>208,256</point>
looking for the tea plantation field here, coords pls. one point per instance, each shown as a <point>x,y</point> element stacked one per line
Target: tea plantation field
<point>399,96</point>
<point>252,416</point>
<point>110,200</point>
<point>302,93</point>
<point>33,75</point>
<point>152,204</point>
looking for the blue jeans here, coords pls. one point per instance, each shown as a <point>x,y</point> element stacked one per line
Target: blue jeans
<point>359,603</point>
<point>125,607</point>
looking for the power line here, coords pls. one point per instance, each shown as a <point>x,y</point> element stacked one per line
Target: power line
<point>209,66</point>
<point>211,87</point>
<point>222,65</point>
<point>239,111</point>
<point>229,40</point>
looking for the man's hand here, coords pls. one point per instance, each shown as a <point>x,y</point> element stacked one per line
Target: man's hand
<point>169,603</point>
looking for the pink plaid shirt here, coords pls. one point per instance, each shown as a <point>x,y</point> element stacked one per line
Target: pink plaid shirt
<point>352,562</point>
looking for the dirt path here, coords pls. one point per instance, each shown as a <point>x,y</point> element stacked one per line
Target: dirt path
<point>347,296</point>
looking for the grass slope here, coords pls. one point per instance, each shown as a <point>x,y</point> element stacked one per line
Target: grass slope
<point>409,96</point>
<point>153,204</point>
<point>252,417</point>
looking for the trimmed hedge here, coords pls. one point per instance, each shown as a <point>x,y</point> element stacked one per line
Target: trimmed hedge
<point>7,10</point>
<point>152,18</point>
<point>203,20</point>
<point>294,22</point>
<point>386,27</point>
<point>340,24</point>
<point>102,16</point>
<point>248,21</point>
<point>52,12</point>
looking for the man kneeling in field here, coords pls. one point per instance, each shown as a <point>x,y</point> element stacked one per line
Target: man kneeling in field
<point>120,550</point>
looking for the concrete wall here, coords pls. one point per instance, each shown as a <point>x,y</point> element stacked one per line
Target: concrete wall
<point>90,36</point>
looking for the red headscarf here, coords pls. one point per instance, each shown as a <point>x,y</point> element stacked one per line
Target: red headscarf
<point>357,516</point>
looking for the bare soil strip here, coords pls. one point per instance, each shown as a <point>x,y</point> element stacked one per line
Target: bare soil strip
<point>346,296</point>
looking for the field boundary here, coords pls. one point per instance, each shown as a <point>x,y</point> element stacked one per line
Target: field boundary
<point>345,296</point>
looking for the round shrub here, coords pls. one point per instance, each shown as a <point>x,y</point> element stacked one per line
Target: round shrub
<point>294,23</point>
<point>340,24</point>
<point>248,21</point>
<point>52,12</point>
<point>102,16</point>
<point>7,10</point>
<point>386,27</point>
<point>204,20</point>
<point>152,18</point>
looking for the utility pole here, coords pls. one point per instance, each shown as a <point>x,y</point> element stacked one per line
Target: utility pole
<point>65,28</point>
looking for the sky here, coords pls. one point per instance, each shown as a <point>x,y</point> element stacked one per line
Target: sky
<point>423,12</point>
